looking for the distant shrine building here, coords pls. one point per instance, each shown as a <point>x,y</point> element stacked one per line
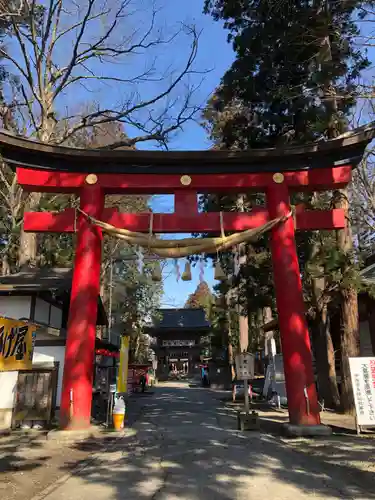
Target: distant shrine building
<point>178,335</point>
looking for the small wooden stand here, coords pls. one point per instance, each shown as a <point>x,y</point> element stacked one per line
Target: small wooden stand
<point>248,421</point>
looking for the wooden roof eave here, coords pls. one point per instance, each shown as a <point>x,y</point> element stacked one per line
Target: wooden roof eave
<point>30,290</point>
<point>346,149</point>
<point>154,331</point>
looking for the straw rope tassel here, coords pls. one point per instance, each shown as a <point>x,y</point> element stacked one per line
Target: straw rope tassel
<point>189,246</point>
<point>186,275</point>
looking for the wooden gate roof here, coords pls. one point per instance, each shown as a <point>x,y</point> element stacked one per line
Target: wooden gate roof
<point>179,320</point>
<point>347,149</point>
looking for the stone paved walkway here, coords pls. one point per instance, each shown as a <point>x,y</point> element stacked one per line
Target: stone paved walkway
<point>186,447</point>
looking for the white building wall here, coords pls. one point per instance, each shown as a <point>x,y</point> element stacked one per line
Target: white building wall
<point>15,307</point>
<point>41,311</point>
<point>56,317</point>
<point>8,385</point>
<point>51,354</point>
<point>8,382</point>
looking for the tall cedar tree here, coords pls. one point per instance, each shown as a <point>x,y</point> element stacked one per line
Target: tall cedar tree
<point>293,81</point>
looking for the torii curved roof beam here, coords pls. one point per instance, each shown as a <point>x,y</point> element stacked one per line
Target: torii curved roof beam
<point>347,149</point>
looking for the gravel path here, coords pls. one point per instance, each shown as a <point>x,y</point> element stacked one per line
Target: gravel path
<point>186,447</point>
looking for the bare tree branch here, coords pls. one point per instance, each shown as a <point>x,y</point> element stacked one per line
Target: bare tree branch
<point>146,96</point>
<point>12,8</point>
<point>109,115</point>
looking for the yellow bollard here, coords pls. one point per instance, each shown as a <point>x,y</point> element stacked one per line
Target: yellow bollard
<point>118,420</point>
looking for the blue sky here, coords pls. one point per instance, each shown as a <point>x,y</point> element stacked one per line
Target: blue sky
<point>216,54</point>
<point>177,291</point>
<point>213,59</point>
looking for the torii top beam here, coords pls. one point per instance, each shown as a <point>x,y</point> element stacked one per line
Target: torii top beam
<point>345,150</point>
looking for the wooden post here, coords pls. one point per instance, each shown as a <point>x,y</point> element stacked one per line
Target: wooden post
<point>80,344</point>
<point>299,377</point>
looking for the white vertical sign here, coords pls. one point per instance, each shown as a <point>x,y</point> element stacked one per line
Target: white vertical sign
<point>362,372</point>
<point>245,366</point>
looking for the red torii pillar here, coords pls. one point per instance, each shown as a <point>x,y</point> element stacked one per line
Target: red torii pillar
<point>79,356</point>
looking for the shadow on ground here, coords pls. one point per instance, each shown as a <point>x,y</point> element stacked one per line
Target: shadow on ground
<point>186,446</point>
<point>28,463</point>
<point>12,458</point>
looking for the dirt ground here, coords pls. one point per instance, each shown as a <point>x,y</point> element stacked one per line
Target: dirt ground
<point>30,463</point>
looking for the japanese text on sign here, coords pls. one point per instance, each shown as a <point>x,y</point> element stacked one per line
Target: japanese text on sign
<point>178,343</point>
<point>17,340</point>
<point>245,366</point>
<point>363,379</point>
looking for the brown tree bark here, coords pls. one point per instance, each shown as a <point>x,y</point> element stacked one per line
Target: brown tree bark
<point>5,266</point>
<point>322,341</point>
<point>349,344</point>
<point>349,308</point>
<point>349,298</point>
<point>325,359</point>
<point>28,249</point>
<point>228,329</point>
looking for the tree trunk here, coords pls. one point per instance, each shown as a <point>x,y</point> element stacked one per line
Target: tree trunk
<point>322,340</point>
<point>349,299</point>
<point>325,360</point>
<point>349,344</point>
<point>5,268</point>
<point>349,307</point>
<point>229,336</point>
<point>332,378</point>
<point>28,249</point>
<point>137,347</point>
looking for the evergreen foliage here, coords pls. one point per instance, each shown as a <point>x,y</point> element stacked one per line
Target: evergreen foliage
<point>294,80</point>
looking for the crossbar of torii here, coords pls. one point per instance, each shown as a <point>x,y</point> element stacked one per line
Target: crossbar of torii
<point>92,174</point>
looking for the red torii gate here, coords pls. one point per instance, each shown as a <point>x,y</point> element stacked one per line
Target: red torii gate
<point>92,174</point>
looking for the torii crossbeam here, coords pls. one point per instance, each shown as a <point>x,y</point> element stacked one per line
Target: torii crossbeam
<point>92,174</point>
